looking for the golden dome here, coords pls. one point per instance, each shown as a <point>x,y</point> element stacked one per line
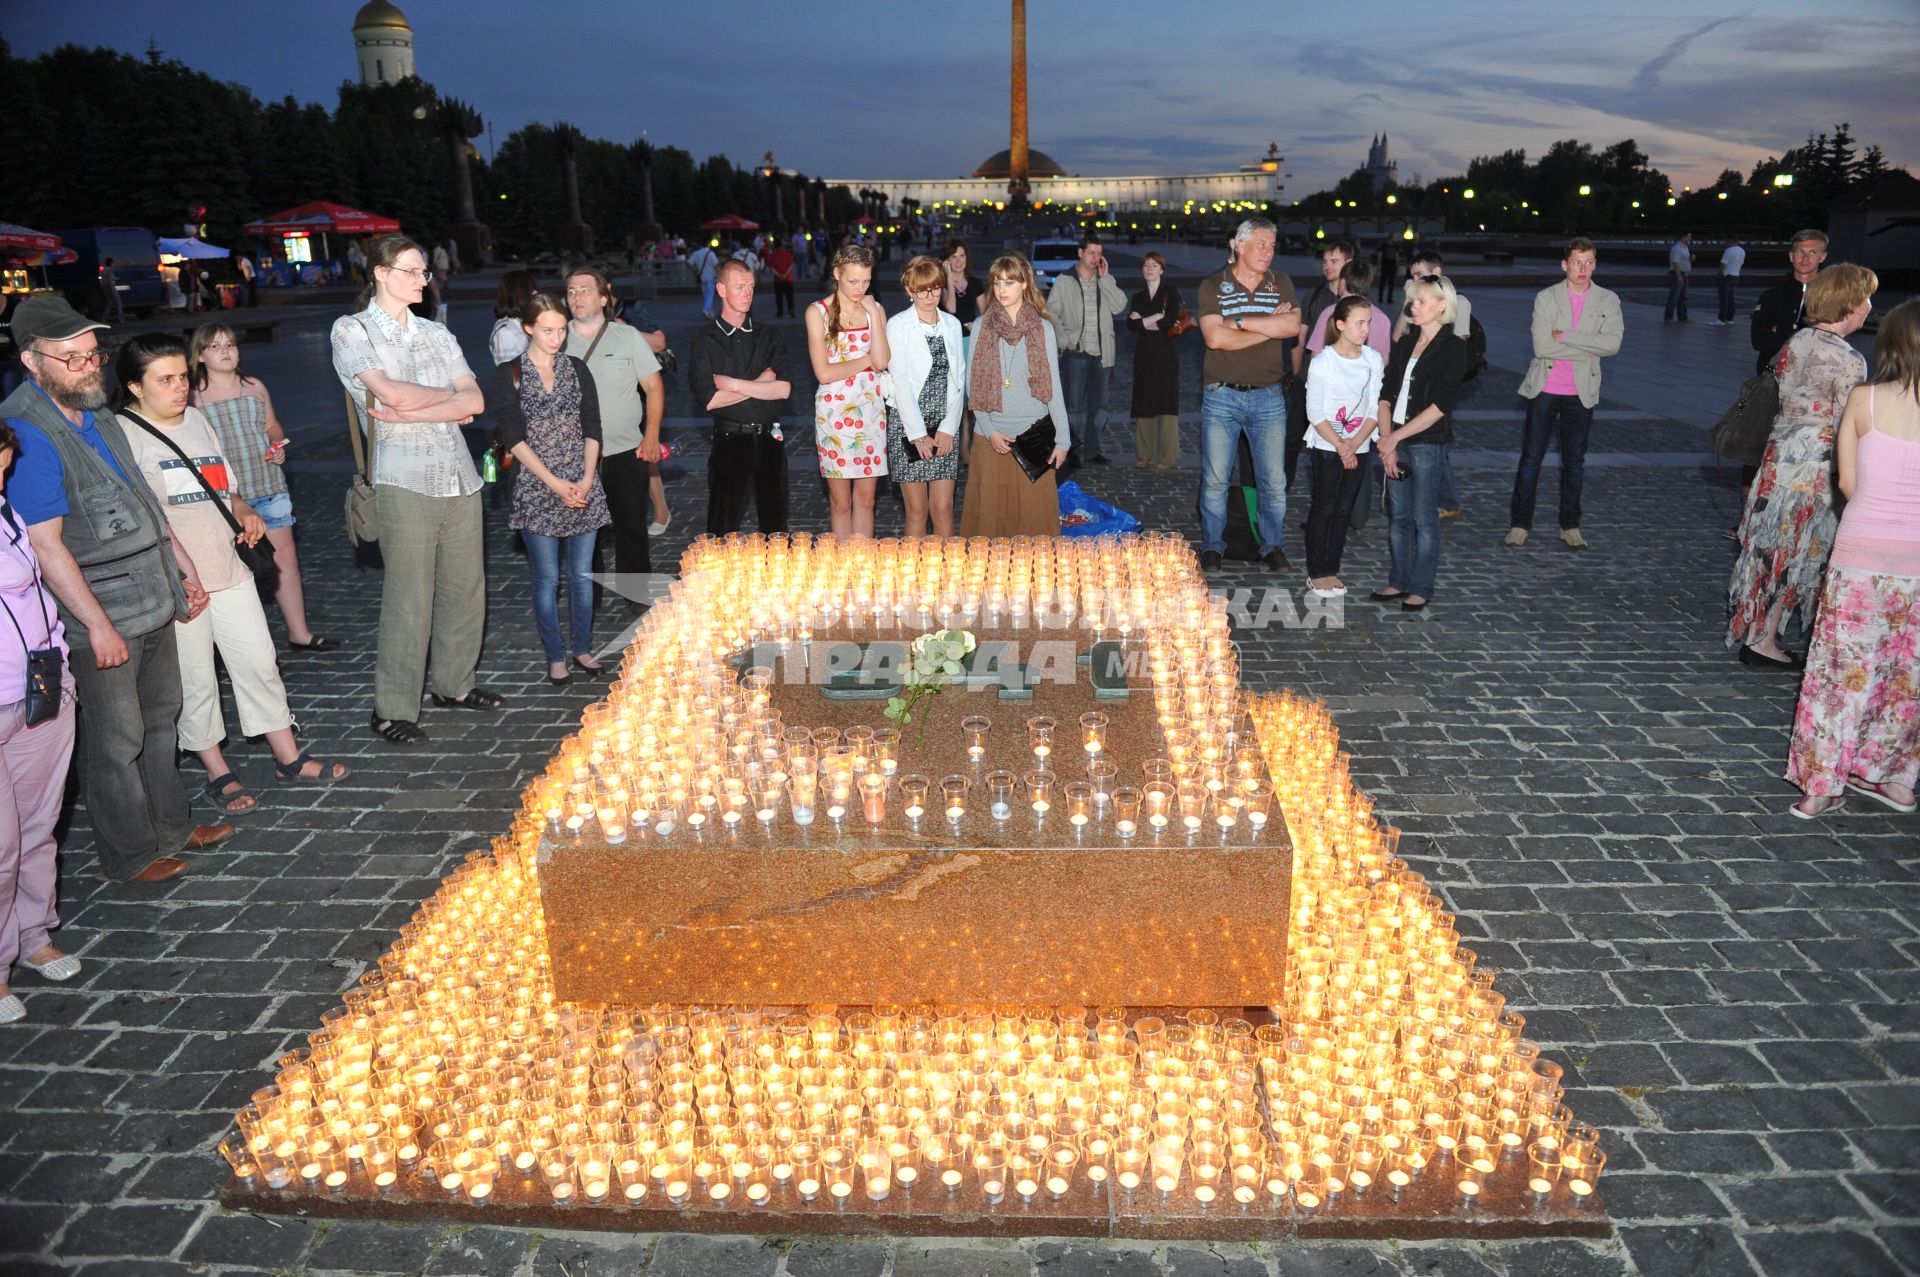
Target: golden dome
<point>378,13</point>
<point>1000,165</point>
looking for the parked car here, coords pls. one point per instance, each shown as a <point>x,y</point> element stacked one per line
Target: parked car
<point>136,269</point>
<point>1053,258</point>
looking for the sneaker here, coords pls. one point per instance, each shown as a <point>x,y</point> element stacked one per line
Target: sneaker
<point>1277,560</point>
<point>1209,560</point>
<point>1515,537</point>
<point>1573,538</point>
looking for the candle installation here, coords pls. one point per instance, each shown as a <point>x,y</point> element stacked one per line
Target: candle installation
<point>1089,943</point>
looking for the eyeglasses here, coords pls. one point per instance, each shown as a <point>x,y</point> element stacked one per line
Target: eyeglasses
<point>1429,279</point>
<point>924,292</point>
<point>426,276</point>
<point>94,358</point>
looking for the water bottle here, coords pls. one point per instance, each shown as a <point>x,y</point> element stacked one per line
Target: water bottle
<point>489,466</point>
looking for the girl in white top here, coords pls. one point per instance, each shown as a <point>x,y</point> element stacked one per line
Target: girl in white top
<point>926,386</point>
<point>1343,394</point>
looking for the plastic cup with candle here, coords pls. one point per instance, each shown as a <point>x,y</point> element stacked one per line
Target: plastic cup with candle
<point>1102,774</point>
<point>975,728</point>
<point>1581,1162</point>
<point>1093,733</point>
<point>884,749</point>
<point>1471,1166</point>
<point>990,1171</point>
<point>1000,793</point>
<point>1157,804</point>
<point>1126,811</point>
<point>1257,796</point>
<point>1040,795</point>
<point>913,797</point>
<point>873,797</point>
<point>1545,1164</point>
<point>1040,731</point>
<point>953,797</point>
<point>1078,797</point>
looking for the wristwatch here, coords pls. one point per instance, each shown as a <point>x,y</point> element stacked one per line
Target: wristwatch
<point>1236,321</point>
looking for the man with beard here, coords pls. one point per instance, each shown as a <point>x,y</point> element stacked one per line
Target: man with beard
<point>120,584</point>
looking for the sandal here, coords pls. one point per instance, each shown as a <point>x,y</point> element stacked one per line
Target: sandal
<point>1878,792</point>
<point>229,789</point>
<point>1827,806</point>
<point>295,772</point>
<point>318,643</point>
<point>476,698</point>
<point>399,731</point>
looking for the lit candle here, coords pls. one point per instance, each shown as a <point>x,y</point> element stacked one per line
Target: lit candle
<point>1093,732</point>
<point>953,797</point>
<point>975,729</point>
<point>1000,793</point>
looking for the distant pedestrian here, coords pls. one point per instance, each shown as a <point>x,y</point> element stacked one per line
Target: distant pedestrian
<point>705,263</point>
<point>631,401</point>
<point>1389,257</point>
<point>1151,314</point>
<point>1576,324</point>
<point>1247,312</point>
<point>356,262</point>
<point>781,266</point>
<point>1013,383</point>
<point>1084,302</point>
<point>733,371</point>
<point>1334,259</point>
<point>442,261</point>
<point>1343,401</point>
<point>1786,532</point>
<point>255,445</point>
<point>427,492</point>
<point>1732,258</point>
<point>116,311</point>
<point>1782,309</point>
<point>508,340</point>
<point>108,560</point>
<point>962,296</point>
<point>847,343</point>
<point>1416,422</point>
<point>927,367</point>
<point>249,278</point>
<point>549,413</point>
<point>36,747</point>
<point>178,455</point>
<point>1858,721</point>
<point>1679,266</point>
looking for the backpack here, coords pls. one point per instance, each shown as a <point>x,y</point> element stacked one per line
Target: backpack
<point>1476,348</point>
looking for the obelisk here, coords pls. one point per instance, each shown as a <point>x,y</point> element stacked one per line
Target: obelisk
<point>1018,187</point>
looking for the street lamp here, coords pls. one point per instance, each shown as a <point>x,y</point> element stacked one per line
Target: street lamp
<point>1585,189</point>
<point>1783,179</point>
<point>1467,194</point>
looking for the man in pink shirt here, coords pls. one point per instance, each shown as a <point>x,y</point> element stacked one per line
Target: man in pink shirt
<point>1575,324</point>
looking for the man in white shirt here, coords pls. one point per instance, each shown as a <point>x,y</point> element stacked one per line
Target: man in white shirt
<point>1732,258</point>
<point>705,261</point>
<point>1679,266</point>
<point>1084,302</point>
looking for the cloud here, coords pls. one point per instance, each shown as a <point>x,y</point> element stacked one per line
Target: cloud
<point>1647,78</point>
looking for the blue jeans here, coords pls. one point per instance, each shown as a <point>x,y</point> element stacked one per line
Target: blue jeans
<point>1449,499</point>
<point>1727,283</point>
<point>1676,295</point>
<point>1575,423</point>
<point>1226,414</point>
<point>543,562</point>
<point>1085,387</point>
<point>1413,520</point>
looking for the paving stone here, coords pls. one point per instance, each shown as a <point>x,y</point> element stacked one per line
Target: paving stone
<point>1565,1258</point>
<point>1686,1252</point>
<point>1322,1260</point>
<point>1794,1199</point>
<point>1444,1261</point>
<point>679,1255</point>
<point>266,1241</point>
<point>1079,1259</point>
<point>128,1230</point>
<point>917,1259</point>
<point>357,1247</point>
<point>1705,1153</point>
<point>1220,1261</point>
<point>29,1229</point>
<point>1818,1254</point>
<point>480,1252</point>
<point>1812,1150</point>
<point>134,1268</point>
<point>1661,1197</point>
<point>836,1259</point>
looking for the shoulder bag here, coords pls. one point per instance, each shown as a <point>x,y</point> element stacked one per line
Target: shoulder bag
<point>363,512</point>
<point>256,558</point>
<point>45,665</point>
<point>1742,432</point>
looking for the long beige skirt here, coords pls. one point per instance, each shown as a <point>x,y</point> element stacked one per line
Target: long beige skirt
<point>1001,501</point>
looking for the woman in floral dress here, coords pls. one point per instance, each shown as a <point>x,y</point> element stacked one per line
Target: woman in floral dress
<point>1858,723</point>
<point>847,341</point>
<point>548,412</point>
<point>1787,531</point>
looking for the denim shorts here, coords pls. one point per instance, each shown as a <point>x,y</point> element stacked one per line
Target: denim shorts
<point>275,511</point>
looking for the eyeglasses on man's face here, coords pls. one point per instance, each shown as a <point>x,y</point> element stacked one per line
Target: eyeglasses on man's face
<point>94,358</point>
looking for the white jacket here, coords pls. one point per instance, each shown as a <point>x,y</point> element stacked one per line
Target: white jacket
<point>908,365</point>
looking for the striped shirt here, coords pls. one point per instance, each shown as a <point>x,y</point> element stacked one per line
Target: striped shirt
<point>428,457</point>
<point>1258,365</point>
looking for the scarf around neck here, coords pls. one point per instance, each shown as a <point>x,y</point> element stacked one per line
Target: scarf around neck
<point>984,380</point>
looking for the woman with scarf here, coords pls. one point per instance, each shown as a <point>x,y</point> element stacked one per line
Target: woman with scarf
<point>1013,384</point>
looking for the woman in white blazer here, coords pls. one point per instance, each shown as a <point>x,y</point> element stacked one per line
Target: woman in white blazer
<point>927,378</point>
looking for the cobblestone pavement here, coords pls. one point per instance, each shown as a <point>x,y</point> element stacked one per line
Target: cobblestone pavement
<point>1575,759</point>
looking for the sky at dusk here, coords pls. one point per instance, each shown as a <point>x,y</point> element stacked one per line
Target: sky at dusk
<point>1122,87</point>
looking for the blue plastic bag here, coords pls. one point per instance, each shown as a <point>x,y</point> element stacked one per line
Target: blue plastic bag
<point>1085,516</point>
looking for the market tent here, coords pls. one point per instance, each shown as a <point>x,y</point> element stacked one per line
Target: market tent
<point>323,217</point>
<point>20,238</point>
<point>729,222</point>
<point>191,246</point>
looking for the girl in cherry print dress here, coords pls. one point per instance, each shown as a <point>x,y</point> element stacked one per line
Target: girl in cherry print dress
<point>847,341</point>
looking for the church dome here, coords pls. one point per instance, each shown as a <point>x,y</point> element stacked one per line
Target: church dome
<point>378,13</point>
<point>1000,165</point>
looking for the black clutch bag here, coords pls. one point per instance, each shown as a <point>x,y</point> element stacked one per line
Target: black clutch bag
<point>1033,448</point>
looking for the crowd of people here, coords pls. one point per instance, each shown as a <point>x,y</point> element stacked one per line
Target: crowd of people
<point>147,526</point>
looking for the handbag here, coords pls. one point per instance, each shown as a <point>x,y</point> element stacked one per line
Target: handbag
<point>1184,322</point>
<point>1742,432</point>
<point>1033,448</point>
<point>45,666</point>
<point>363,511</point>
<point>256,558</point>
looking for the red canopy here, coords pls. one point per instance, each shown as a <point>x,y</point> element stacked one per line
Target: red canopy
<point>22,239</point>
<point>320,216</point>
<point>729,222</point>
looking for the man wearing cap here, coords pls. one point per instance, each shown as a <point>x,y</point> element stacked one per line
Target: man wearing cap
<point>105,553</point>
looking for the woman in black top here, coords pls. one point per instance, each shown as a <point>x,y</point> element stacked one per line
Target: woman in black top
<point>1156,367</point>
<point>1416,419</point>
<point>961,297</point>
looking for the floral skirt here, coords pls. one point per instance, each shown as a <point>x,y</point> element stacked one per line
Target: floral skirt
<point>1787,531</point>
<point>1859,711</point>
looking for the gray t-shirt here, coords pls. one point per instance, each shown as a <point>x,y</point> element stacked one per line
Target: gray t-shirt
<point>620,363</point>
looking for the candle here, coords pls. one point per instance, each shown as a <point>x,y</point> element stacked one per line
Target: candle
<point>913,797</point>
<point>1079,800</point>
<point>1040,737</point>
<point>1093,733</point>
<point>1039,792</point>
<point>975,729</point>
<point>1000,793</point>
<point>953,796</point>
<point>873,797</point>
